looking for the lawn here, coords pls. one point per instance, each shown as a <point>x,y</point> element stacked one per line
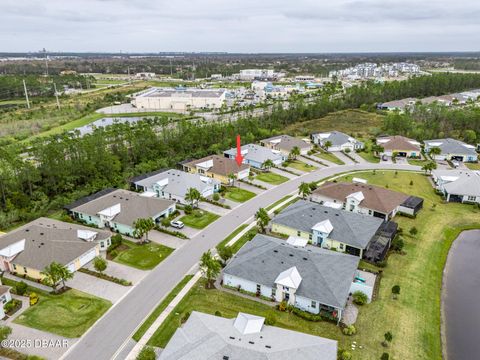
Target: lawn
<point>160,308</point>
<point>142,256</point>
<point>271,206</point>
<point>238,195</point>
<point>69,314</point>
<point>299,165</point>
<point>329,157</point>
<point>231,236</point>
<point>367,153</point>
<point>417,162</point>
<point>199,219</point>
<point>271,178</point>
<point>473,166</point>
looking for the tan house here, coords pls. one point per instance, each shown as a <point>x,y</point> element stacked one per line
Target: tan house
<point>32,247</point>
<point>399,145</point>
<point>285,144</point>
<point>217,167</point>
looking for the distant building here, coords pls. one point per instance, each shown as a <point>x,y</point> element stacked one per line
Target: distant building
<point>305,78</point>
<point>259,74</point>
<point>179,99</point>
<point>145,75</point>
<point>338,140</point>
<point>209,337</point>
<point>452,149</point>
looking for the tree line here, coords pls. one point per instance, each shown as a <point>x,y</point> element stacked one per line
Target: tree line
<point>56,170</point>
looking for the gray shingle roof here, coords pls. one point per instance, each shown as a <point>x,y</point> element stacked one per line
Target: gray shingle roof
<point>48,240</point>
<point>208,337</point>
<point>256,153</point>
<point>452,146</point>
<point>348,227</point>
<point>466,184</point>
<point>338,138</point>
<point>133,206</point>
<point>326,275</point>
<point>288,142</point>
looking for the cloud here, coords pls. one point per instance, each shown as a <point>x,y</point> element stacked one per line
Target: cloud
<point>239,26</point>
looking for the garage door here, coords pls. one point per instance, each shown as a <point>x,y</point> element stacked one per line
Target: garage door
<point>85,258</point>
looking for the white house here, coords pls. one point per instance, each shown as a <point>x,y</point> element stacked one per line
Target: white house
<point>339,141</point>
<point>458,185</point>
<point>452,149</point>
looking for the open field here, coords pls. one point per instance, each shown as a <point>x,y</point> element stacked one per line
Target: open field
<point>353,122</point>
<point>271,178</point>
<point>69,314</point>
<point>413,319</point>
<point>199,219</point>
<point>142,256</point>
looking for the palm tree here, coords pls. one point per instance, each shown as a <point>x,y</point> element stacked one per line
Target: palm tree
<point>232,177</point>
<point>327,144</point>
<point>434,151</point>
<point>143,227</point>
<point>268,164</point>
<point>193,196</point>
<point>65,274</point>
<point>428,167</point>
<point>262,219</point>
<point>295,152</point>
<point>304,190</point>
<point>210,268</point>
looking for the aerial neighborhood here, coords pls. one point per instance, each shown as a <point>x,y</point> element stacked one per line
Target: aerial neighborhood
<point>318,254</point>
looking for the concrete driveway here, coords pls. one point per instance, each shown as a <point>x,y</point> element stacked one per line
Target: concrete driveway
<point>213,208</point>
<point>98,287</point>
<point>122,271</point>
<point>167,240</point>
<point>343,157</point>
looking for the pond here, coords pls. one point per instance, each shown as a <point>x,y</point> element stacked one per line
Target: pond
<point>461,298</point>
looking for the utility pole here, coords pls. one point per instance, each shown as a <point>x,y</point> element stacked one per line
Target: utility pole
<point>56,95</point>
<point>26,94</point>
<point>171,68</point>
<point>46,62</point>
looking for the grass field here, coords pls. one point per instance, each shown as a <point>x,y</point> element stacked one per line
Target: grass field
<point>329,157</point>
<point>413,319</point>
<point>271,178</point>
<point>160,308</point>
<point>300,165</point>
<point>238,195</point>
<point>199,219</point>
<point>69,314</point>
<point>353,122</point>
<point>417,162</point>
<point>143,257</point>
<point>473,166</point>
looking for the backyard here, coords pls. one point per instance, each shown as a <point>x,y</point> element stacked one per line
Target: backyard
<point>69,314</point>
<point>271,178</point>
<point>236,194</point>
<point>141,256</point>
<point>199,219</point>
<point>413,319</point>
<point>299,165</point>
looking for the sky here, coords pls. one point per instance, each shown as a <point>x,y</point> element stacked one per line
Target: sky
<point>247,26</point>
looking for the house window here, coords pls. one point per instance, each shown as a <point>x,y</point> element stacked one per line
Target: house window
<point>258,288</point>
<point>24,269</point>
<point>314,304</point>
<point>102,244</point>
<point>472,198</point>
<point>90,218</point>
<point>299,233</point>
<point>310,236</point>
<point>274,292</point>
<point>369,212</point>
<point>14,267</point>
<point>341,246</point>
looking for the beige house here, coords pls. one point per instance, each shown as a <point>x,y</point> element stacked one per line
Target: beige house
<point>285,144</point>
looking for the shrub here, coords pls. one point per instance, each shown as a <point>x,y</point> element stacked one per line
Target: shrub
<point>218,313</point>
<point>306,315</point>
<point>360,298</point>
<point>344,355</point>
<point>385,356</point>
<point>349,330</point>
<point>188,209</point>
<point>147,353</point>
<point>114,253</point>
<point>270,318</point>
<point>165,222</point>
<point>185,317</point>
<point>396,290</point>
<point>198,213</point>
<point>225,253</point>
<point>100,264</point>
<point>381,264</point>
<point>398,244</point>
<point>282,306</point>
<point>413,231</point>
<point>21,288</point>
<point>216,196</point>
<point>33,298</point>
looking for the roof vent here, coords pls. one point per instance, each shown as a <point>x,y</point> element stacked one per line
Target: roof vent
<point>251,342</point>
<point>225,357</point>
<point>42,243</point>
<point>290,255</point>
<point>232,337</point>
<point>42,233</point>
<point>275,251</point>
<point>305,258</point>
<point>27,230</point>
<point>268,346</point>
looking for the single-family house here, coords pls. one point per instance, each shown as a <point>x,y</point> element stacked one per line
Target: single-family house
<point>327,227</point>
<point>256,155</point>
<point>5,297</point>
<point>30,248</point>
<point>452,149</point>
<point>458,185</point>
<point>285,144</point>
<point>399,105</point>
<point>209,337</point>
<point>174,184</point>
<point>366,199</point>
<point>217,167</point>
<point>399,145</point>
<point>118,209</point>
<point>338,140</point>
<point>310,278</point>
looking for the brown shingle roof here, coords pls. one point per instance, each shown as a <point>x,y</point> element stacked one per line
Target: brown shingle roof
<point>398,142</point>
<point>375,197</point>
<point>221,165</point>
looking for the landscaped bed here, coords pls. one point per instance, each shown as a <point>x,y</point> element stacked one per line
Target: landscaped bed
<point>199,219</point>
<point>69,314</point>
<point>141,256</point>
<point>238,195</point>
<point>271,178</point>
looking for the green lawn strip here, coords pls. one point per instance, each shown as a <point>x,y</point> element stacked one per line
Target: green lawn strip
<point>369,156</point>
<point>160,308</point>
<point>142,256</point>
<point>238,195</point>
<point>271,178</point>
<point>413,319</point>
<point>231,236</point>
<point>300,165</point>
<point>270,207</point>
<point>329,157</point>
<point>286,205</point>
<point>69,314</point>
<point>473,166</point>
<point>417,162</point>
<point>249,235</point>
<point>199,219</point>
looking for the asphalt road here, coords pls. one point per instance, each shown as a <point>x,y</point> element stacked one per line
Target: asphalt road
<point>107,336</point>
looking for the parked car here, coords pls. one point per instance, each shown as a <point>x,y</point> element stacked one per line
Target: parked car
<point>455,164</point>
<point>177,224</point>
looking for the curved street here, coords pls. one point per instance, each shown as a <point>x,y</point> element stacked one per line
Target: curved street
<point>107,337</point>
